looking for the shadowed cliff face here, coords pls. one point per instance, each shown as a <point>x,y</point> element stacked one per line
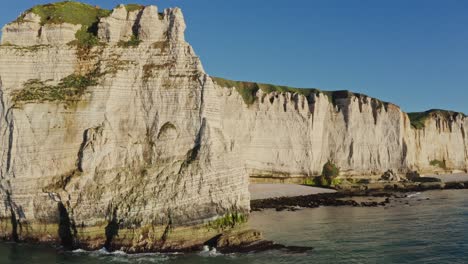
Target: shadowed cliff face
<point>112,134</point>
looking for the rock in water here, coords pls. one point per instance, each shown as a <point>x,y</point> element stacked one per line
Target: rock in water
<point>113,135</point>
<point>390,176</point>
<point>235,239</point>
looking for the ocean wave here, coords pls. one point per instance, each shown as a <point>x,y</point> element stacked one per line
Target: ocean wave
<point>119,256</point>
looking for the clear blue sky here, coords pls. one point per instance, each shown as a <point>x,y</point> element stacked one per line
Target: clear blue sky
<point>410,52</point>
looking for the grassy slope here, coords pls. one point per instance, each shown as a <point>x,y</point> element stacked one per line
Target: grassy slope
<point>76,13</point>
<point>418,119</point>
<point>248,90</point>
<point>73,13</point>
<point>133,7</point>
<point>68,12</point>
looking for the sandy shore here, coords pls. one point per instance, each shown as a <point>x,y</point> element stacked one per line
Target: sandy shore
<point>458,177</point>
<point>266,190</point>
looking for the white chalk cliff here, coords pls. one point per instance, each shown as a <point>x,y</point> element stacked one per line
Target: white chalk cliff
<point>154,141</point>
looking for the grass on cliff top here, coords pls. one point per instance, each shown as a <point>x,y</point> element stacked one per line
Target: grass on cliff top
<point>68,12</point>
<point>78,14</point>
<point>133,7</point>
<point>248,90</point>
<point>73,13</point>
<point>418,119</point>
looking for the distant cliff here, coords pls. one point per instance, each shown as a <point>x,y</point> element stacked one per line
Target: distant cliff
<point>285,132</point>
<point>112,133</point>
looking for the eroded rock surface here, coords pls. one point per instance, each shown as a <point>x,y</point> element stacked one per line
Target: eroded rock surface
<point>123,161</point>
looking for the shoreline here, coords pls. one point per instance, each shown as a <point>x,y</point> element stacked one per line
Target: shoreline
<point>346,195</point>
<point>240,239</point>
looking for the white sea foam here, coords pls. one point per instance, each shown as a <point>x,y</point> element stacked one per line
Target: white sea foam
<point>119,256</point>
<point>413,195</point>
<point>80,251</point>
<point>207,252</point>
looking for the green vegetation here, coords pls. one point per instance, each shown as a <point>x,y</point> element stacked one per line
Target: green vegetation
<point>133,7</point>
<point>311,181</point>
<point>67,12</point>
<point>133,42</point>
<point>323,181</point>
<point>161,45</point>
<point>248,91</point>
<point>73,13</point>
<point>329,173</point>
<point>29,48</point>
<point>228,221</point>
<point>439,163</point>
<point>418,119</point>
<point>337,182</point>
<point>7,44</point>
<point>330,170</point>
<point>85,39</point>
<point>70,88</point>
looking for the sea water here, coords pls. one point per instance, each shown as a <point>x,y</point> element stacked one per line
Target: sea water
<point>429,227</point>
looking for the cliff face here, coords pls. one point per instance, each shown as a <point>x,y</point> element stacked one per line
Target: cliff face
<point>286,134</point>
<point>112,133</point>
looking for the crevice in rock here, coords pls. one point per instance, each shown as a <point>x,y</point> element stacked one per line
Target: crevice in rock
<point>14,222</point>
<point>136,25</point>
<point>192,155</point>
<point>405,152</point>
<point>375,107</point>
<point>351,152</point>
<point>167,230</point>
<point>14,226</point>
<point>462,128</point>
<point>65,227</point>
<point>285,102</point>
<point>11,129</point>
<point>89,136</point>
<point>360,101</point>
<point>79,163</point>
<point>111,230</point>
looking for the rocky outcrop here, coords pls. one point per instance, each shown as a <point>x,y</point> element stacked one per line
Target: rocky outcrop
<point>114,145</point>
<point>113,135</point>
<point>30,32</point>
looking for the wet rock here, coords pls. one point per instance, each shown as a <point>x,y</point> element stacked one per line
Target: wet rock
<point>316,200</point>
<point>250,241</point>
<point>234,239</point>
<point>416,177</point>
<point>455,185</point>
<point>390,176</point>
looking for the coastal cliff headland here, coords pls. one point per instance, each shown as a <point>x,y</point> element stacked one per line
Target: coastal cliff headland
<point>113,135</point>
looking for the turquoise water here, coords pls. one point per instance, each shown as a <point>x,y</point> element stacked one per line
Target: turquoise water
<point>422,231</point>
